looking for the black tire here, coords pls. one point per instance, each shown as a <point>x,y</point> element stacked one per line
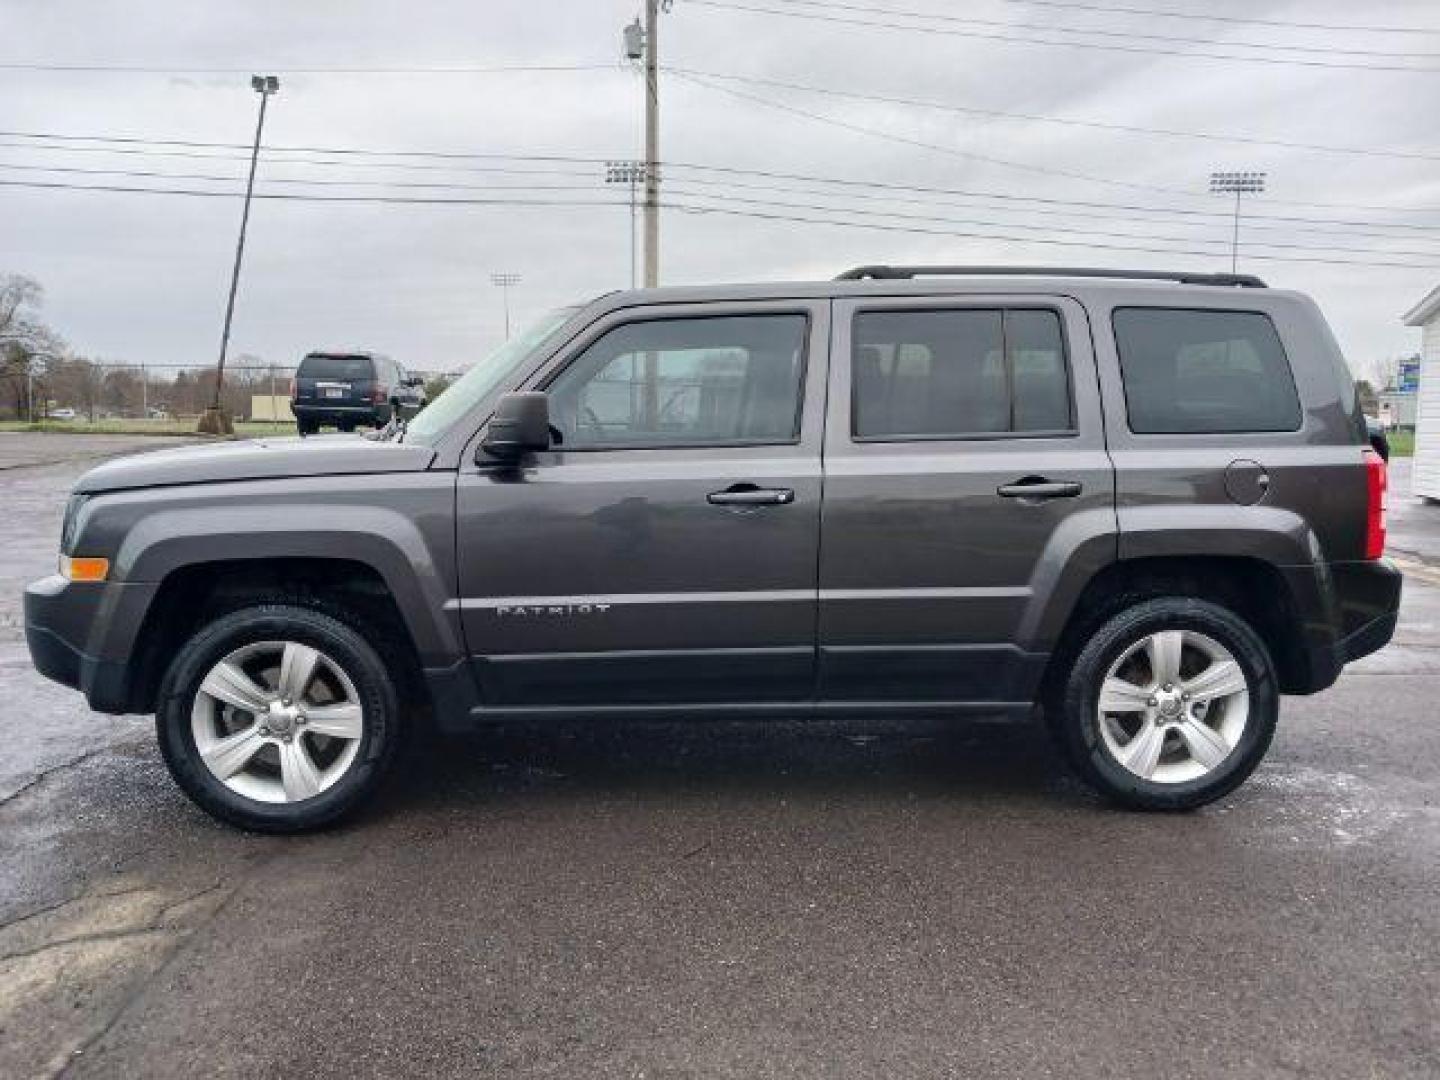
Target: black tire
<point>307,427</point>
<point>1075,719</point>
<point>342,640</point>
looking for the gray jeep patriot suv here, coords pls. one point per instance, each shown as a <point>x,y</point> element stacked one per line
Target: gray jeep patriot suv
<point>1142,502</point>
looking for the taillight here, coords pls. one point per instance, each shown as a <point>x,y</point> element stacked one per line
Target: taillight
<point>294,389</point>
<point>1377,483</point>
<point>379,394</point>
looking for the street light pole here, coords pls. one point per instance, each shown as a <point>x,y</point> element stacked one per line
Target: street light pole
<point>505,280</point>
<point>1238,183</point>
<point>216,421</point>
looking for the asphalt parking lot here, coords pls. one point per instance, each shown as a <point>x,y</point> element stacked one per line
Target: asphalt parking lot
<point>674,901</point>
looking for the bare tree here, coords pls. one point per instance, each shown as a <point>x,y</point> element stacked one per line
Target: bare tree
<point>1381,371</point>
<point>27,345</point>
<point>20,296</point>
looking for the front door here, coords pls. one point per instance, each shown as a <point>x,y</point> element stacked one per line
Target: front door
<point>966,483</point>
<point>664,550</point>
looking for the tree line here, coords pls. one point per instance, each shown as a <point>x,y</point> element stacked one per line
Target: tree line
<point>39,373</point>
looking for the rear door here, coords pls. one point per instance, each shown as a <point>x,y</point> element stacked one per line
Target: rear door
<point>966,484</point>
<point>664,552</point>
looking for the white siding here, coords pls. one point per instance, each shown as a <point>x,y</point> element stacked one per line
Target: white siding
<point>1427,413</point>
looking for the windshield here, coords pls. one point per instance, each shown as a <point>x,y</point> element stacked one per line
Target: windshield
<point>477,383</point>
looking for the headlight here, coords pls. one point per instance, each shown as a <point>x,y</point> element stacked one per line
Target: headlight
<point>72,519</point>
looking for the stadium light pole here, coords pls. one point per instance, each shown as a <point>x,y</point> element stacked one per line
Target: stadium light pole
<point>630,173</point>
<point>1236,183</point>
<point>215,421</point>
<point>505,281</point>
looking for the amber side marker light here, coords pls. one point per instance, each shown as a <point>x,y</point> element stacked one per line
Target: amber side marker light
<point>77,569</point>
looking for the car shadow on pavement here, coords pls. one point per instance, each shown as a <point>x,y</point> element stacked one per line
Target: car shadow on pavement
<point>568,761</point>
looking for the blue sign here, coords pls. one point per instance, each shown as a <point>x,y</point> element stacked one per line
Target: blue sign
<point>1407,378</point>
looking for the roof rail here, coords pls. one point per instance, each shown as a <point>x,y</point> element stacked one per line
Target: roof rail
<point>904,273</point>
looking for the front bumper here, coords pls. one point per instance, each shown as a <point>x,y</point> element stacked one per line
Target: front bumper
<point>81,635</point>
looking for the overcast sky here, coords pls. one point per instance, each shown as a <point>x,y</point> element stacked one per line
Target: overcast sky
<point>142,277</point>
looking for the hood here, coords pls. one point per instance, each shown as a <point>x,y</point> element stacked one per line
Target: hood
<point>258,459</point>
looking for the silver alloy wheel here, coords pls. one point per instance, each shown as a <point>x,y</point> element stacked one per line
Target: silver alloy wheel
<point>1173,706</point>
<point>277,721</point>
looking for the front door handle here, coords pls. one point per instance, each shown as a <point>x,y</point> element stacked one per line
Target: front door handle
<point>750,495</point>
<point>1037,487</point>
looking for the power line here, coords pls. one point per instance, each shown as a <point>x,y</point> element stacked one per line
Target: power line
<point>1132,217</point>
<point>1067,121</point>
<point>1008,197</point>
<point>970,20</point>
<point>1031,240</point>
<point>443,69</point>
<point>952,151</point>
<point>890,136</point>
<point>139,146</point>
<point>294,197</point>
<point>1051,229</point>
<point>1011,39</point>
<point>1068,213</point>
<point>150,174</point>
<point>1105,9</point>
<point>300,161</point>
<point>277,149</point>
<point>1048,239</point>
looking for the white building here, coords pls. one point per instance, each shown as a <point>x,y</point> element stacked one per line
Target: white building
<point>1426,315</point>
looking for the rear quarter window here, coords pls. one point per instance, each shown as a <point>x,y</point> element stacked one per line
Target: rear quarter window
<point>1200,371</point>
<point>344,368</point>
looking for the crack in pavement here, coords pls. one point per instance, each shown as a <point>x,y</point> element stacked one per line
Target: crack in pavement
<point>45,774</point>
<point>184,945</point>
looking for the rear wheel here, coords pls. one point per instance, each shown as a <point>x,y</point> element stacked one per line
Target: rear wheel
<point>306,427</point>
<point>1170,705</point>
<point>278,718</point>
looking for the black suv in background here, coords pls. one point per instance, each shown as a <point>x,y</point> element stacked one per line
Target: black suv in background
<point>1143,502</point>
<point>352,389</point>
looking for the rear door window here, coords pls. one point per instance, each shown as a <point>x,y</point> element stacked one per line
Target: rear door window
<point>1193,371</point>
<point>959,373</point>
<point>337,368</point>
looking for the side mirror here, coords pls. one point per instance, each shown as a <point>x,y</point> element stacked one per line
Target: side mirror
<point>520,426</point>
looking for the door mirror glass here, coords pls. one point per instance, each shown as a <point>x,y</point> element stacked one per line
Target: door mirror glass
<point>520,426</point>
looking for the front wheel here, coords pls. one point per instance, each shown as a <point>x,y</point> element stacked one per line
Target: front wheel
<point>1170,705</point>
<point>278,718</point>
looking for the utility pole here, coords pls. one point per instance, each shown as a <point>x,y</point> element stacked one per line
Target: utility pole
<point>652,143</point>
<point>215,420</point>
<point>1238,183</point>
<point>505,280</point>
<point>643,43</point>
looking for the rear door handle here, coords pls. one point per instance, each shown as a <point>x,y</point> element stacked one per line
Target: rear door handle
<point>1037,487</point>
<point>750,495</point>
